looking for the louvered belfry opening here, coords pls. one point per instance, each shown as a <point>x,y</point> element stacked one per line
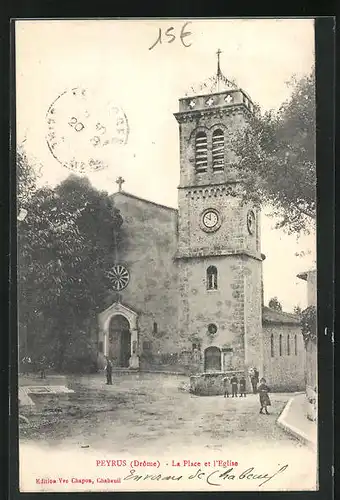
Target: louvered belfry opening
<point>201,152</point>
<point>218,150</point>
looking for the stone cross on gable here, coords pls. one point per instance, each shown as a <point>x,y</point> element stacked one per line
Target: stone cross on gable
<point>120,181</point>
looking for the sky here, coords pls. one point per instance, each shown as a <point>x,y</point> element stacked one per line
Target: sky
<point>112,61</point>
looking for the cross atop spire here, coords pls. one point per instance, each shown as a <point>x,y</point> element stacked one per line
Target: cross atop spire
<point>120,181</point>
<point>219,72</point>
<point>218,62</point>
<point>216,83</point>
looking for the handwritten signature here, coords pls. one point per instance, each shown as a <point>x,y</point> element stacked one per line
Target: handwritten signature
<point>212,478</point>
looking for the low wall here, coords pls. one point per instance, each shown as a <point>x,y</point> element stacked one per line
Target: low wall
<point>312,403</point>
<point>210,384</point>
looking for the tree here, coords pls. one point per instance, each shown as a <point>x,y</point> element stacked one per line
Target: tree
<point>66,244</point>
<point>275,304</point>
<point>277,158</point>
<point>297,310</point>
<point>309,324</point>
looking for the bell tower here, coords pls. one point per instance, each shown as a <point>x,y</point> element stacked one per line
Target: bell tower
<point>219,251</point>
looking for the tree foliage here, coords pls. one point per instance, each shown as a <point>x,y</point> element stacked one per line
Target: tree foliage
<point>297,310</point>
<point>26,177</point>
<point>66,244</point>
<point>275,304</point>
<point>277,158</point>
<point>309,324</point>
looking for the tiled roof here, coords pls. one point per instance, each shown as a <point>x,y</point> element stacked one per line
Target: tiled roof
<point>276,317</point>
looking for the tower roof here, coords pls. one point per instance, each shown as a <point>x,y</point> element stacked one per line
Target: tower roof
<point>216,92</point>
<point>214,84</point>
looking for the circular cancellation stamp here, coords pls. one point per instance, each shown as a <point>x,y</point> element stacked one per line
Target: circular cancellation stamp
<point>80,127</point>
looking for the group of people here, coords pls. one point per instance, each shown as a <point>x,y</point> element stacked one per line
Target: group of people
<point>28,366</point>
<point>232,385</point>
<point>237,388</point>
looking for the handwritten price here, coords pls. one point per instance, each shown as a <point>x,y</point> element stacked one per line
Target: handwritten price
<point>171,37</point>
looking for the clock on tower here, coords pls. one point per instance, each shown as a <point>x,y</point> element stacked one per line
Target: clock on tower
<point>219,260</point>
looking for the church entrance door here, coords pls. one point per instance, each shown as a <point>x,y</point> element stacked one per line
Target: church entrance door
<point>212,359</point>
<point>119,341</point>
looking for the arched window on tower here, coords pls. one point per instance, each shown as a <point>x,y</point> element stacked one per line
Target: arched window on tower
<point>272,346</point>
<point>218,150</point>
<point>201,152</point>
<point>280,345</point>
<point>295,345</point>
<point>288,345</point>
<point>212,278</point>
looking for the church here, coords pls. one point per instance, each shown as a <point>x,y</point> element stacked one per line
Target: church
<point>187,286</point>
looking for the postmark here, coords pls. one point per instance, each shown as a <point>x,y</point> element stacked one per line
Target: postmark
<point>81,127</point>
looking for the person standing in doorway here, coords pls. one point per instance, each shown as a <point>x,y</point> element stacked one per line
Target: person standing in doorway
<point>254,379</point>
<point>263,390</point>
<point>242,387</point>
<point>234,383</point>
<point>108,371</point>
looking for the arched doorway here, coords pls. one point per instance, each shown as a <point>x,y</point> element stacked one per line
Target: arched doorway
<point>212,359</point>
<point>119,350</point>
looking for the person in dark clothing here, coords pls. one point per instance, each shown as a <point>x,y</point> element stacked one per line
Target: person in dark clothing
<point>254,378</point>
<point>26,362</point>
<point>263,390</point>
<point>108,372</point>
<point>43,367</point>
<point>242,387</point>
<point>234,383</point>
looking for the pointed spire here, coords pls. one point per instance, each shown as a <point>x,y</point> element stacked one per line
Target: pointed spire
<point>219,72</point>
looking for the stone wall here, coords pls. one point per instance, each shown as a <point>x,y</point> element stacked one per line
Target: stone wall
<point>147,249</point>
<point>229,120</point>
<point>223,307</point>
<point>210,384</point>
<point>285,372</point>
<point>311,380</point>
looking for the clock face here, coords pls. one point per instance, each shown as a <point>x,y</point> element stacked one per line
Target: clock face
<point>251,222</point>
<point>210,219</point>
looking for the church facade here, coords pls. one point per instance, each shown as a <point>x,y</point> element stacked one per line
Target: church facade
<point>188,286</point>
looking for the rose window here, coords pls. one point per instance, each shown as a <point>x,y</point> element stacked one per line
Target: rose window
<point>119,277</point>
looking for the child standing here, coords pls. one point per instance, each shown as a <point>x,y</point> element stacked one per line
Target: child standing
<point>242,387</point>
<point>263,390</point>
<point>226,387</point>
<point>234,383</point>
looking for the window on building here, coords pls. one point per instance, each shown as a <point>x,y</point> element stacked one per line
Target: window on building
<point>212,328</point>
<point>218,150</point>
<point>272,346</point>
<point>146,345</point>
<point>280,345</point>
<point>155,328</point>
<point>295,345</point>
<point>100,346</point>
<point>212,278</point>
<point>201,152</point>
<point>288,345</point>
